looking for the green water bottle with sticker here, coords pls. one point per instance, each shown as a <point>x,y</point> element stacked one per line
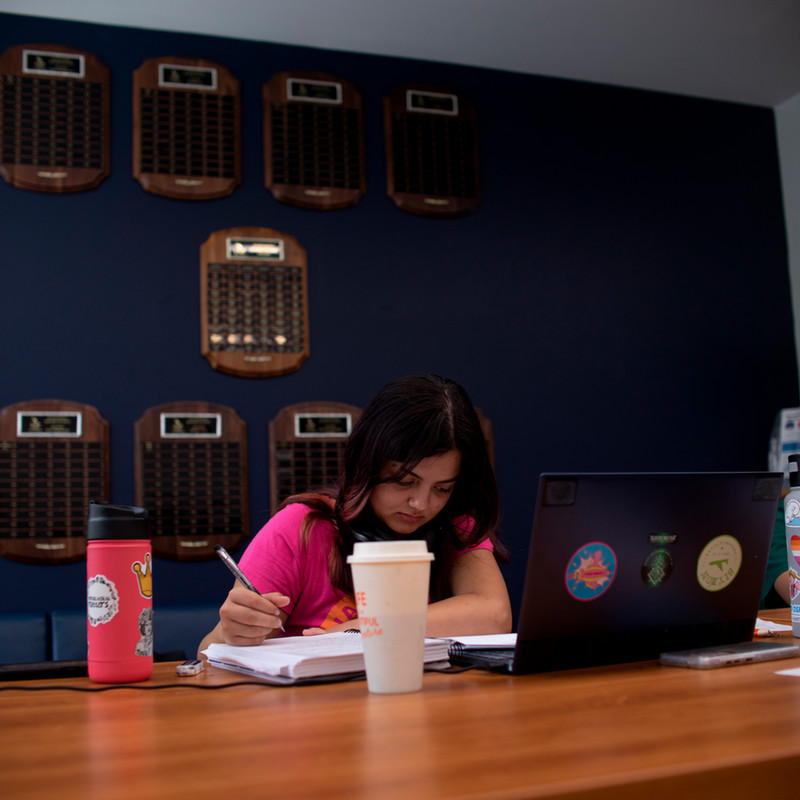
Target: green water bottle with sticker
<point>791,506</point>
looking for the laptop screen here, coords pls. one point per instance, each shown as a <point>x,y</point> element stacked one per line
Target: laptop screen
<point>625,566</point>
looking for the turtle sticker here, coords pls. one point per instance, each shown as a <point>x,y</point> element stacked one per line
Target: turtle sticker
<point>591,571</point>
<point>657,567</point>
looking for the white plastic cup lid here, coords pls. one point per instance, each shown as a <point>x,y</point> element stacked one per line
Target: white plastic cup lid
<point>390,552</point>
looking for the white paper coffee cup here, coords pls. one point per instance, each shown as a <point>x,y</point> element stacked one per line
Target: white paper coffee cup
<point>391,583</point>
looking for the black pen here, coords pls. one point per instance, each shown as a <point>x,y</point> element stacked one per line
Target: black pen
<point>237,572</point>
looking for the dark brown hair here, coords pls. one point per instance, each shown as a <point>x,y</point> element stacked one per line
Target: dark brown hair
<point>410,419</point>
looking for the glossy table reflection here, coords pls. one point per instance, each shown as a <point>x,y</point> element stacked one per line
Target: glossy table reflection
<point>629,731</point>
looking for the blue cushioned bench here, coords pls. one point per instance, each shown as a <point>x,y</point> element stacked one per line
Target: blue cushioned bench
<point>177,630</point>
<point>61,635</point>
<point>24,638</point>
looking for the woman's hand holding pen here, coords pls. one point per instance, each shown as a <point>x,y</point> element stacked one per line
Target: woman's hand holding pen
<point>247,618</point>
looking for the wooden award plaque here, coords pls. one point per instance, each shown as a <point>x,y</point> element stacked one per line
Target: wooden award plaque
<point>54,459</point>
<point>253,302</point>
<point>306,441</point>
<point>191,476</point>
<point>186,128</point>
<point>431,151</point>
<point>54,118</point>
<point>313,140</point>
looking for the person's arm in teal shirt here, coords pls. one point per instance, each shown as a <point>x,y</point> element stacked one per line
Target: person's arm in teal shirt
<point>775,591</point>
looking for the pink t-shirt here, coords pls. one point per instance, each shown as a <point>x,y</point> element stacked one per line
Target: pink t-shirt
<point>277,561</point>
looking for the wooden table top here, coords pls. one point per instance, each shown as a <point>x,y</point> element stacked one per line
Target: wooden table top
<point>627,731</point>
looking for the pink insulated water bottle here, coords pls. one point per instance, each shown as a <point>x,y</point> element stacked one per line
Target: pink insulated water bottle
<point>119,594</point>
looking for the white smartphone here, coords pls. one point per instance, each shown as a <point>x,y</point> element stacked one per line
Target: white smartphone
<point>729,655</point>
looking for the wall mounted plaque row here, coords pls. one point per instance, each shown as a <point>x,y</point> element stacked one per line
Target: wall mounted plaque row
<point>54,127</point>
<point>191,476</point>
<point>190,472</point>
<point>313,140</point>
<point>54,459</point>
<point>54,118</point>
<point>186,128</point>
<point>253,302</point>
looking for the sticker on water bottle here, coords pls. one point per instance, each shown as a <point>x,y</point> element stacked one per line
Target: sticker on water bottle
<point>144,576</point>
<point>794,547</point>
<point>794,600</point>
<point>102,600</point>
<point>792,512</point>
<point>144,647</point>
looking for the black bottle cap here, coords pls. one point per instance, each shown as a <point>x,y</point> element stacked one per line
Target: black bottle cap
<point>107,521</point>
<point>794,470</point>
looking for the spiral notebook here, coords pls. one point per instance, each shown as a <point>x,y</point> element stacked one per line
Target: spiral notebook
<point>293,660</point>
<point>623,567</point>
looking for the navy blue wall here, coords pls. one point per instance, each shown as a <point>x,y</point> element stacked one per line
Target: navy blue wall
<point>619,300</point>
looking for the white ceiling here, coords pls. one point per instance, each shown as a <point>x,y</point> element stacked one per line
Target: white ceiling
<point>744,51</point>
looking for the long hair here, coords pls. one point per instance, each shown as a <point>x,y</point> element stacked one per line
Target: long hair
<point>411,419</point>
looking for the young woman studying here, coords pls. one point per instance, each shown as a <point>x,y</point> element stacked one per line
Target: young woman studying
<point>415,464</point>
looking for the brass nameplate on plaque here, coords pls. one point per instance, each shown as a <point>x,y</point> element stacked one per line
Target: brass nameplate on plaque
<point>313,91</point>
<point>191,426</point>
<point>323,425</point>
<point>49,424</point>
<point>432,102</point>
<point>175,76</point>
<point>254,249</point>
<point>43,62</point>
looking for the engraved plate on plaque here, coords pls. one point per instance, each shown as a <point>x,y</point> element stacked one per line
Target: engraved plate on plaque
<point>314,91</point>
<point>190,426</point>
<point>49,424</point>
<point>176,76</point>
<point>323,425</point>
<point>432,102</point>
<point>243,248</point>
<point>46,62</point>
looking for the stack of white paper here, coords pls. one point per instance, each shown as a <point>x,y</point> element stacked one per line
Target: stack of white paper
<point>295,658</point>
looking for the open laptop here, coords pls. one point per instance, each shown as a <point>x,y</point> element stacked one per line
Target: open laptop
<point>623,567</point>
